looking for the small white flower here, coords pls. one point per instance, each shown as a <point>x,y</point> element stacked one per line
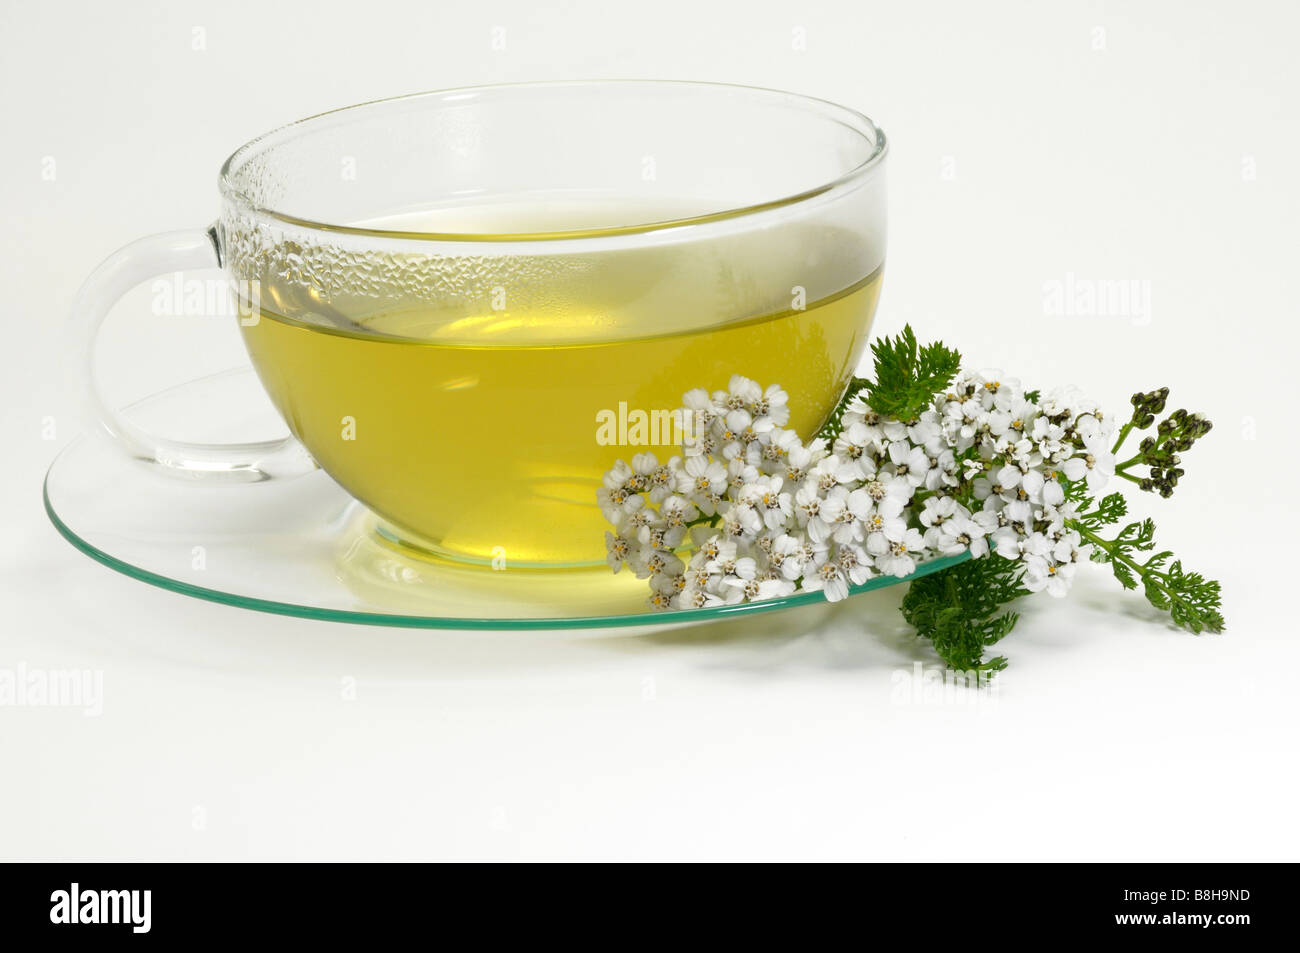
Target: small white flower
<point>676,512</point>
<point>800,459</point>
<point>1009,477</point>
<point>704,482</point>
<point>756,590</point>
<point>966,417</point>
<point>618,550</point>
<point>741,521</point>
<point>830,472</point>
<point>701,407</point>
<point>1041,575</point>
<point>1095,465</point>
<point>742,392</point>
<point>928,435</point>
<point>828,578</point>
<point>909,462</point>
<point>943,471</point>
<point>899,559</point>
<point>651,562</point>
<point>765,496</point>
<point>697,599</point>
<point>1053,494</point>
<point>807,504</point>
<point>775,588</point>
<point>643,464</point>
<point>853,442</point>
<point>618,476</point>
<point>662,480</point>
<point>854,562</point>
<point>841,516</point>
<point>774,449</point>
<point>632,515</point>
<point>938,509</point>
<point>884,525</point>
<point>780,555</point>
<point>857,411</point>
<point>885,485</point>
<point>773,406</point>
<point>740,472</point>
<point>967,532</point>
<point>735,428</point>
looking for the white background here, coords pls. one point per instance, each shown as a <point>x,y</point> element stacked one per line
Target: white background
<point>1154,141</point>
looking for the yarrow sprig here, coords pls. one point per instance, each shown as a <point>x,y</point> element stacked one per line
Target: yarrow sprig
<point>921,461</point>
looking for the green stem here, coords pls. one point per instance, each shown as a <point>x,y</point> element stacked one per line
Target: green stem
<point>1147,577</point>
<point>1088,536</point>
<point>1161,440</point>
<point>1123,435</point>
<point>702,519</point>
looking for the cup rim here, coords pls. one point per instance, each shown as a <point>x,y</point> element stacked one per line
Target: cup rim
<point>851,118</point>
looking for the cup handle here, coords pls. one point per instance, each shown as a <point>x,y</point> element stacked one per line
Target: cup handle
<point>127,267</point>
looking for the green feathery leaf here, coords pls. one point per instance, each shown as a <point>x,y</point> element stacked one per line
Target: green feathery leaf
<point>957,610</point>
<point>1111,509</point>
<point>908,376</point>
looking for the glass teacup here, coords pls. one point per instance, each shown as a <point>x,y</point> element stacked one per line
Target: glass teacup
<point>468,304</point>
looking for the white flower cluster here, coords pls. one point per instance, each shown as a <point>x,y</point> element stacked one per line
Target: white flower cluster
<point>751,512</point>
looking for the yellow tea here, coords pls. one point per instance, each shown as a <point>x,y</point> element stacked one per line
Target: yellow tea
<point>472,423</point>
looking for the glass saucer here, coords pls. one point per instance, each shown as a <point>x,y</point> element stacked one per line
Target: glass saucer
<point>303,547</point>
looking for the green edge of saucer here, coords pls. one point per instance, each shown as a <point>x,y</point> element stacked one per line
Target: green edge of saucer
<point>672,617</point>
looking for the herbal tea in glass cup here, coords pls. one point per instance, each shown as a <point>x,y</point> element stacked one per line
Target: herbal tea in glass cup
<point>468,305</point>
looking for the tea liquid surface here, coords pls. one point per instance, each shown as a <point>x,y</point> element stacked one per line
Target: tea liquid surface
<point>474,426</point>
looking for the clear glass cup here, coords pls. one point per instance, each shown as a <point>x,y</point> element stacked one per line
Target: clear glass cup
<point>467,304</point>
